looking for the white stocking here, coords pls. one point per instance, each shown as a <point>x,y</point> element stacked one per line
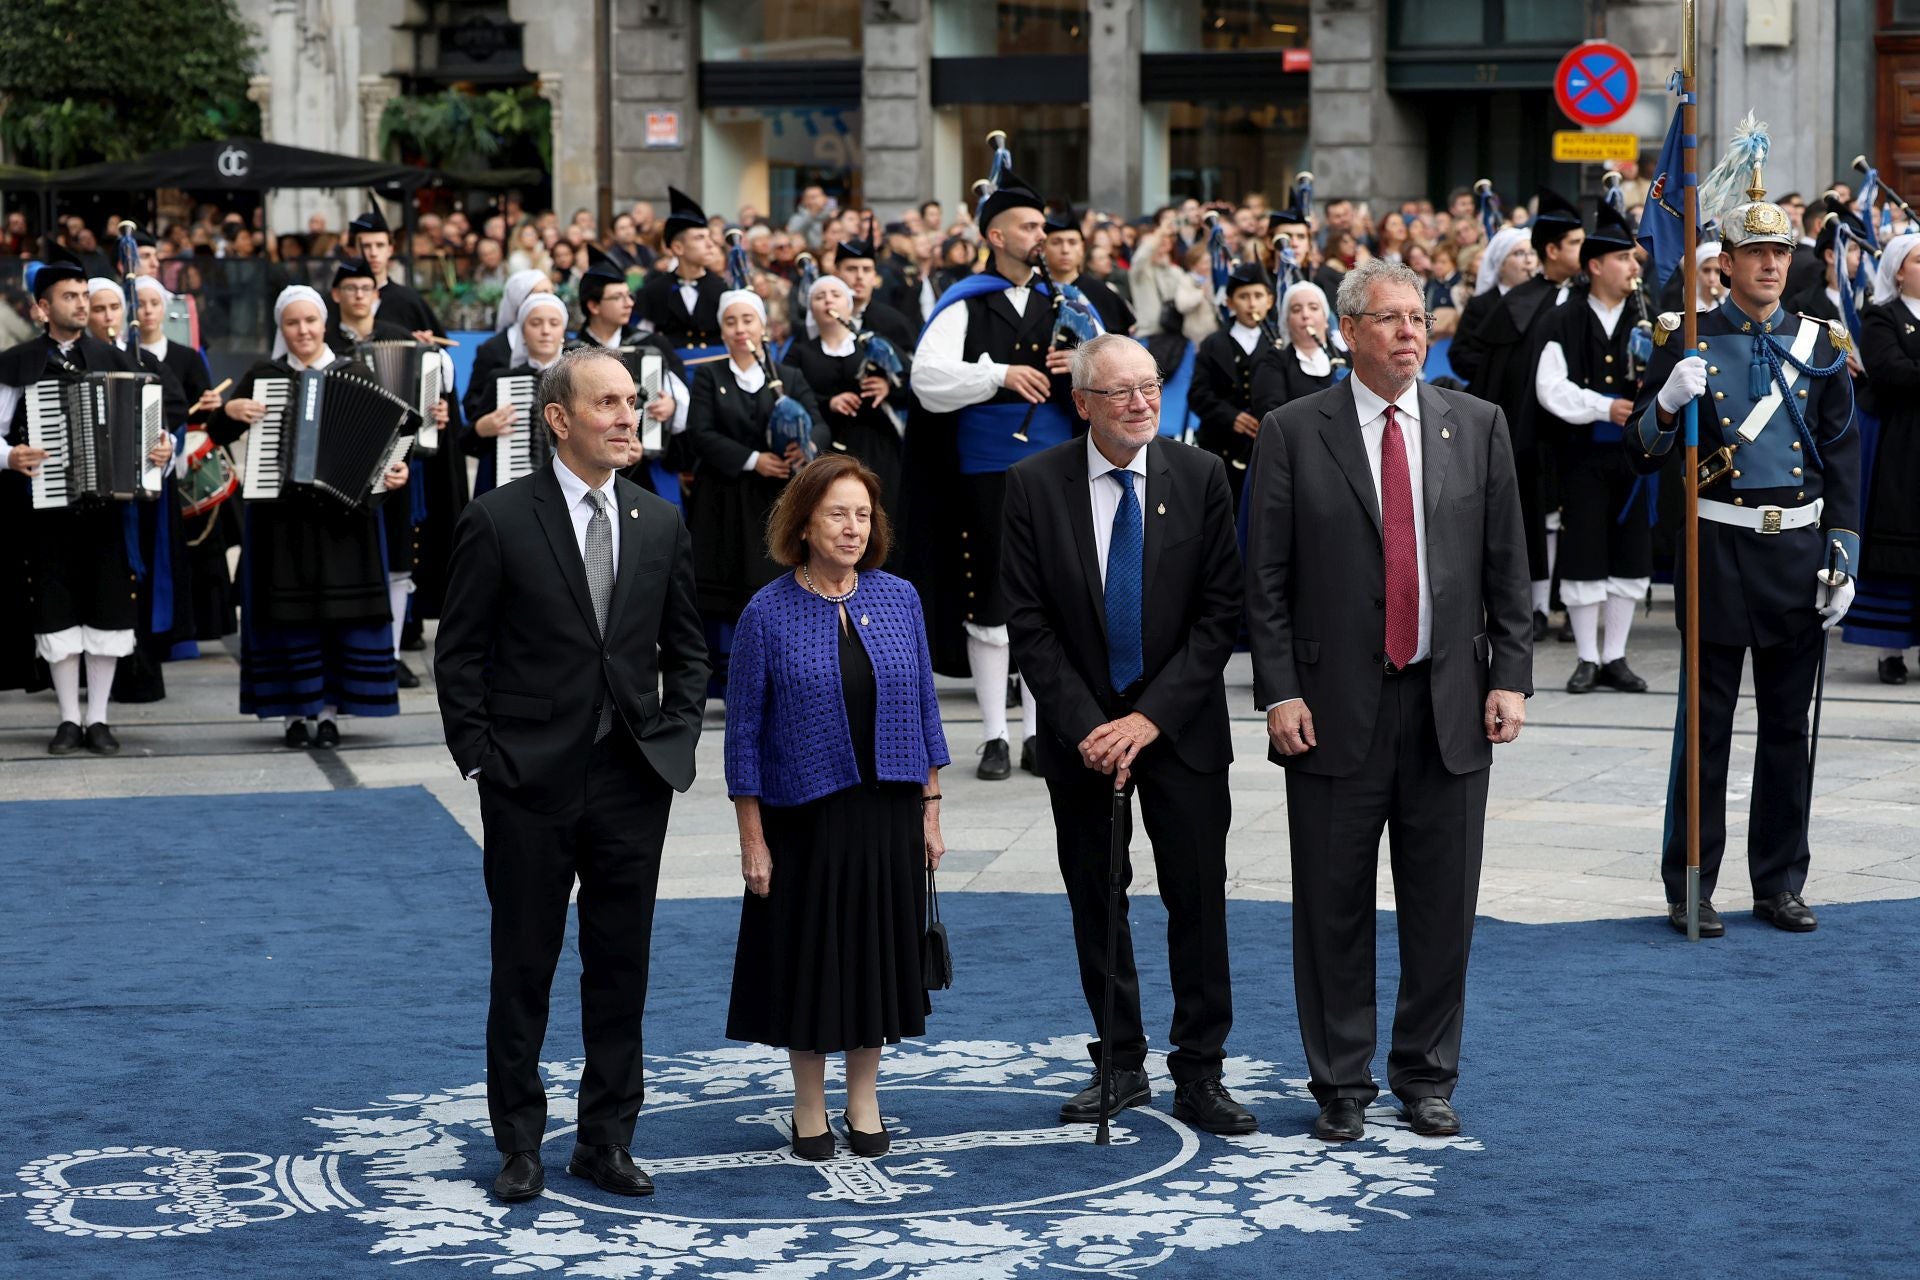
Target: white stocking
<point>66,687</point>
<point>399,587</point>
<point>99,685</point>
<point>1029,710</point>
<point>1619,626</point>
<point>1586,630</point>
<point>990,663</point>
<point>1542,592</point>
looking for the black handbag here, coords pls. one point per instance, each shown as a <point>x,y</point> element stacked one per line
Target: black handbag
<point>936,960</point>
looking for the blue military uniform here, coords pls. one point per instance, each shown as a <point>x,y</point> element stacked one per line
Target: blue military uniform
<point>1780,471</point>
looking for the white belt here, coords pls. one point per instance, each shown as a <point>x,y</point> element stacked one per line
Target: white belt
<point>1762,519</point>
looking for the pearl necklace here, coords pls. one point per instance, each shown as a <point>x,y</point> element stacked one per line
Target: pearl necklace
<point>807,575</point>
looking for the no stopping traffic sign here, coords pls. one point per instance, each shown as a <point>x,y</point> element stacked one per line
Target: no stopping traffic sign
<point>1596,83</point>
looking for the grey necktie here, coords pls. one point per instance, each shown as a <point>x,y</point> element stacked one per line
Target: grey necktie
<point>600,587</point>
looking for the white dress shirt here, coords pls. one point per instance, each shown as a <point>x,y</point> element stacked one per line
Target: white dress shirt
<point>1372,411</point>
<point>1316,363</point>
<point>689,294</point>
<point>840,349</point>
<point>580,511</point>
<point>943,382</point>
<point>1575,406</point>
<point>1244,337</point>
<point>1106,491</point>
<point>1911,304</point>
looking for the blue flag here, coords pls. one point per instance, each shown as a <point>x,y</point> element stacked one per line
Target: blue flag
<point>1662,227</point>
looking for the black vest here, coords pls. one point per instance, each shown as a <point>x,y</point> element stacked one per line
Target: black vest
<point>1004,336</point>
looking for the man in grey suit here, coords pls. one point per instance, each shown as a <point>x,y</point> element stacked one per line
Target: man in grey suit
<point>1392,647</point>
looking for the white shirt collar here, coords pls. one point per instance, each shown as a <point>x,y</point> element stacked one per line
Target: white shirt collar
<point>1370,406</point>
<point>1097,464</point>
<point>1833,296</point>
<point>158,347</point>
<point>844,347</point>
<point>326,358</point>
<point>574,489</point>
<point>1244,336</point>
<point>749,379</point>
<point>1608,316</point>
<point>1912,305</point>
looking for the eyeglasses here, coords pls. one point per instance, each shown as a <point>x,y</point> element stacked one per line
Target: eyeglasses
<point>1120,397</point>
<point>1385,320</point>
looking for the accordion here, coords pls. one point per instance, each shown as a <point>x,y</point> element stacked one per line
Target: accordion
<point>411,371</point>
<point>329,430</point>
<point>649,370</point>
<point>530,446</point>
<point>97,430</point>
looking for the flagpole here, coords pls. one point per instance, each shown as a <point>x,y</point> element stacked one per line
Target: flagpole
<point>1690,538</point>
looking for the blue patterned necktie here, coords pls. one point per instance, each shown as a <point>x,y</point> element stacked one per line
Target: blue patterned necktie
<point>1125,656</point>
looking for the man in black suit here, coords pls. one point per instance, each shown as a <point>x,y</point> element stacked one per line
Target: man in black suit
<point>572,674</point>
<point>1392,646</point>
<point>1122,583</point>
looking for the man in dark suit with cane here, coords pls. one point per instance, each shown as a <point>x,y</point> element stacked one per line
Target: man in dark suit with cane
<point>1122,582</point>
<point>1387,602</point>
<point>572,674</point>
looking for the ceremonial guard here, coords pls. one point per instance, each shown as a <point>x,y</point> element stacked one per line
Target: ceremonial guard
<point>989,358</point>
<point>1221,393</point>
<point>1779,514</point>
<point>1066,251</point>
<point>683,305</point>
<point>1509,342</point>
<point>1885,614</point>
<point>1584,384</point>
<point>81,592</point>
<point>608,304</point>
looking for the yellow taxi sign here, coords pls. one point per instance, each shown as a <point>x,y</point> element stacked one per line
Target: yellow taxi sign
<point>1573,146</point>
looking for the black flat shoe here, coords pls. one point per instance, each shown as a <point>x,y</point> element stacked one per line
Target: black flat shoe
<point>818,1147</point>
<point>1893,670</point>
<point>609,1168</point>
<point>995,762</point>
<point>1618,675</point>
<point>521,1177</point>
<point>1564,634</point>
<point>1540,626</point>
<point>867,1145</point>
<point>412,636</point>
<point>327,736</point>
<point>1432,1117</point>
<point>1585,676</point>
<point>403,675</point>
<point>1341,1120</point>
<point>1711,926</point>
<point>1129,1089</point>
<point>100,740</point>
<point>1029,758</point>
<point>1206,1104</point>
<point>1786,911</point>
<point>298,736</point>
<point>67,739</point>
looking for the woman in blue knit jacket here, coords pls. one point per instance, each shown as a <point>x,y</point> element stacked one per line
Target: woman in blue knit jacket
<point>834,750</point>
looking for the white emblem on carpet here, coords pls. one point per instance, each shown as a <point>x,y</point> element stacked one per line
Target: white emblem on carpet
<point>958,1197</point>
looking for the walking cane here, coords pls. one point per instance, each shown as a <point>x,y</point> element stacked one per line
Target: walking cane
<point>1116,860</point>
<point>1834,550</point>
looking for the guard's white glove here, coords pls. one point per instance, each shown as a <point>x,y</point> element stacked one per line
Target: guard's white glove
<point>1835,595</point>
<point>1688,381</point>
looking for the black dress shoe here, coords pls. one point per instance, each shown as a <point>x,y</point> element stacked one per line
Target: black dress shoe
<point>1618,675</point>
<point>1341,1120</point>
<point>1893,670</point>
<point>100,739</point>
<point>1129,1089</point>
<point>521,1177</point>
<point>1432,1117</point>
<point>1540,626</point>
<point>67,739</point>
<point>1711,926</point>
<point>1564,632</point>
<point>413,636</point>
<point>1786,911</point>
<point>609,1168</point>
<point>403,675</point>
<point>1029,758</point>
<point>1206,1104</point>
<point>298,736</point>
<point>818,1147</point>
<point>995,761</point>
<point>326,735</point>
<point>867,1145</point>
<point>1585,676</point>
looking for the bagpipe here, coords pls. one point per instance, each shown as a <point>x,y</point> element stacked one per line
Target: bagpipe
<point>789,423</point>
<point>1486,203</point>
<point>1640,341</point>
<point>1288,270</point>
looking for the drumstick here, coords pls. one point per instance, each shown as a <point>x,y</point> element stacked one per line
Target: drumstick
<point>223,386</point>
<point>439,341</point>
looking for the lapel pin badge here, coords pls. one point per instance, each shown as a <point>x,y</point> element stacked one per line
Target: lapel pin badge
<point>1445,434</point>
<point>633,514</point>
<point>863,619</point>
<point>1163,508</point>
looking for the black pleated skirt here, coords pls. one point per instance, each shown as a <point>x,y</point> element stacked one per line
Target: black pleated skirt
<point>829,960</point>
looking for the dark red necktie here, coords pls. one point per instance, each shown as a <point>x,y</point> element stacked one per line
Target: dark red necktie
<point>1399,545</point>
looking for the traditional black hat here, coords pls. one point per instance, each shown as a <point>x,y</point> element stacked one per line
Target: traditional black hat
<point>144,238</point>
<point>1554,217</point>
<point>1014,193</point>
<point>1838,215</point>
<point>1246,275</point>
<point>601,271</point>
<point>370,221</point>
<point>853,250</point>
<point>897,229</point>
<point>1287,217</point>
<point>1611,233</point>
<point>1063,219</point>
<point>352,269</point>
<point>683,214</point>
<point>57,263</point>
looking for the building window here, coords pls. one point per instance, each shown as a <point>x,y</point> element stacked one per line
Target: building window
<point>1484,24</point>
<point>1223,151</point>
<point>1225,26</point>
<point>782,31</point>
<point>977,29</point>
<point>764,156</point>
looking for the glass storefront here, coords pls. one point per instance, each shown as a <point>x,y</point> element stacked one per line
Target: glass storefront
<point>779,30</point>
<point>765,156</point>
<point>1008,28</point>
<point>1225,26</point>
<point>1048,141</point>
<point>1220,151</point>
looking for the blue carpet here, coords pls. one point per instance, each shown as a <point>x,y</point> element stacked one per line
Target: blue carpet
<point>243,1039</point>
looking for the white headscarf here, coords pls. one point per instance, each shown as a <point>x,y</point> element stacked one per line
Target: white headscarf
<point>156,343</point>
<point>1892,258</point>
<point>288,296</point>
<point>100,284</point>
<point>732,296</point>
<point>512,294</point>
<point>1706,252</point>
<point>826,282</point>
<point>1504,242</point>
<point>517,336</point>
